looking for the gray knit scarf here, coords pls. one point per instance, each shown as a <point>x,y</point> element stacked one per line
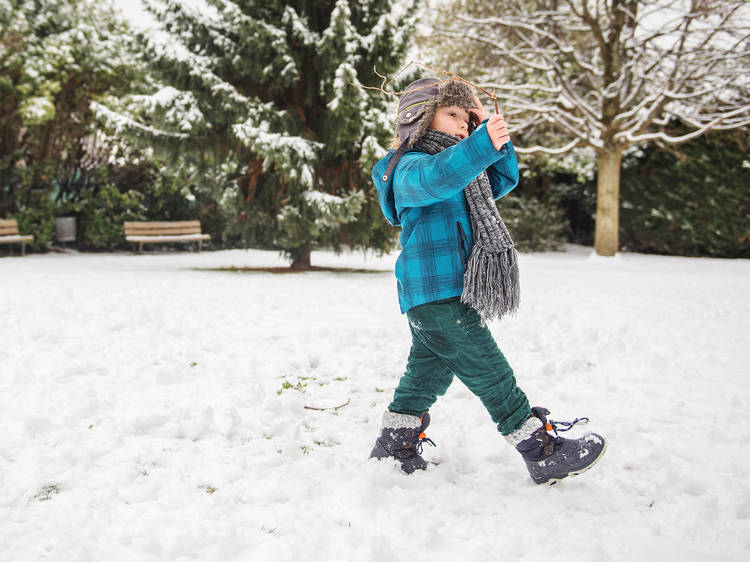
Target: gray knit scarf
<point>491,283</point>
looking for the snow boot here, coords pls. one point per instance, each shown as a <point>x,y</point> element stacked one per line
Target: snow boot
<point>401,438</point>
<point>550,458</point>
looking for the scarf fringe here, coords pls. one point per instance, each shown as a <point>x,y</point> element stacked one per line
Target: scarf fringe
<point>491,283</point>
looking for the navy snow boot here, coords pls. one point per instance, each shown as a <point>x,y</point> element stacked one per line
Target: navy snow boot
<point>401,438</point>
<point>550,458</point>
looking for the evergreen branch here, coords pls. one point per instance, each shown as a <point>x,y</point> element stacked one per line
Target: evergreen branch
<point>120,123</point>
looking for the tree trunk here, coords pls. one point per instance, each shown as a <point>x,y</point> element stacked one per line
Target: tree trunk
<point>606,235</point>
<point>301,258</point>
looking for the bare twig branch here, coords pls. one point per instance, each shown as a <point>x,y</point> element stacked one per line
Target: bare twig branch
<point>451,76</point>
<point>335,408</point>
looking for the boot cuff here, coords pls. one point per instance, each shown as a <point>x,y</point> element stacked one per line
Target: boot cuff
<point>524,432</point>
<point>394,420</point>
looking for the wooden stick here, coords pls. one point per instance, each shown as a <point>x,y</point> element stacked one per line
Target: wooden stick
<point>332,408</point>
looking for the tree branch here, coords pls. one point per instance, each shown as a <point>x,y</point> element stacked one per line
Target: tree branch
<point>536,149</point>
<point>715,124</point>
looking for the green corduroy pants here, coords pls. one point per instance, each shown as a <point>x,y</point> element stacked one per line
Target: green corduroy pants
<point>448,339</point>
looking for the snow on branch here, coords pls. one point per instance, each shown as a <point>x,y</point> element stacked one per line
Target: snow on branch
<point>294,155</point>
<point>731,120</point>
<point>121,123</point>
<point>546,150</point>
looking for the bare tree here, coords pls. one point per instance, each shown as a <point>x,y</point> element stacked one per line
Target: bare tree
<point>607,74</point>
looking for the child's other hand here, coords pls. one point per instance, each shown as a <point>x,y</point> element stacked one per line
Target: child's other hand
<point>498,131</point>
<point>479,110</point>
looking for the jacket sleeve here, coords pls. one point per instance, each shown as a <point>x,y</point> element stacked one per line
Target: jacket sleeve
<point>421,179</point>
<point>503,173</point>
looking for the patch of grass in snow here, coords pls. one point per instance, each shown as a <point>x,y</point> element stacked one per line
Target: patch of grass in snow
<point>46,492</point>
<point>299,387</point>
<point>290,270</point>
<point>209,489</point>
<point>307,449</point>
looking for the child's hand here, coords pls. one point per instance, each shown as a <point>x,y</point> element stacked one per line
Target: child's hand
<point>498,131</point>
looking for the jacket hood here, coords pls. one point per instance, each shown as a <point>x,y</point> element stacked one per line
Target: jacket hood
<point>384,185</point>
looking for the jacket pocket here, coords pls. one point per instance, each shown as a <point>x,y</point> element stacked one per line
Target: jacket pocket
<point>463,245</point>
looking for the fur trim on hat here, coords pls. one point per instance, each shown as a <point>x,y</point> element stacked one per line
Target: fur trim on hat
<point>456,92</point>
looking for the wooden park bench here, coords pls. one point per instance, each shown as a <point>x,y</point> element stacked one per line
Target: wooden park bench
<point>9,234</point>
<point>159,232</point>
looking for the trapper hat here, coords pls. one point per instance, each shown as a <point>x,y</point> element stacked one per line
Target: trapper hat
<point>421,99</point>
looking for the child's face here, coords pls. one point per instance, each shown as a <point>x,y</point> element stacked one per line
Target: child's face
<point>453,120</point>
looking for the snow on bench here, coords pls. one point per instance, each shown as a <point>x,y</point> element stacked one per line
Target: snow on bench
<point>158,232</point>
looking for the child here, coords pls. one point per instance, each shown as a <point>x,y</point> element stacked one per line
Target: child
<point>457,269</point>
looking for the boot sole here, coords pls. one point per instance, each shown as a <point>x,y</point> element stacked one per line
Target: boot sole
<point>553,481</point>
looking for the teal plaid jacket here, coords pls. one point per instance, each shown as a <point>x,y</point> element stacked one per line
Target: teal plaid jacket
<point>424,196</point>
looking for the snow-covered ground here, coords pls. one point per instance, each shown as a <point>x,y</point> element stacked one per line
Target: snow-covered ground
<point>151,410</point>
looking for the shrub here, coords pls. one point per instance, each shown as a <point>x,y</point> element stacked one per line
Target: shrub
<point>691,203</point>
<point>536,226</point>
<point>102,216</point>
<point>39,220</point>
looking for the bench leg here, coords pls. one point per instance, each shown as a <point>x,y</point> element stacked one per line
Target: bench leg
<point>140,247</point>
<point>200,245</point>
<point>23,248</point>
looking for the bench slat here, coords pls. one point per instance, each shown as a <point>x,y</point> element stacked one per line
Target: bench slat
<point>160,231</point>
<point>161,224</point>
<point>14,238</point>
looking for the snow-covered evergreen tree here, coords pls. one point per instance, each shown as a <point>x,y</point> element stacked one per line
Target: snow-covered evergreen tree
<point>55,58</point>
<point>263,96</point>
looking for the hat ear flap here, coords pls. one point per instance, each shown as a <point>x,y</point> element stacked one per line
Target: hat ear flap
<point>414,120</point>
<point>424,123</point>
<point>411,114</point>
<point>416,109</point>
